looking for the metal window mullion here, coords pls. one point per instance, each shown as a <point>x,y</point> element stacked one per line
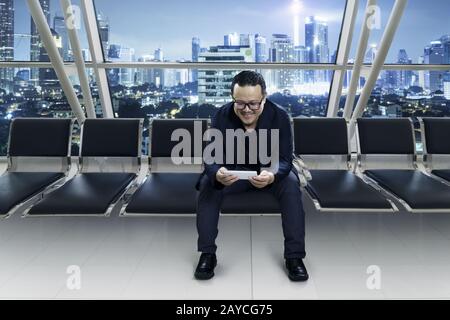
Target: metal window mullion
<point>95,46</point>
<point>386,41</point>
<point>348,27</point>
<point>55,58</point>
<point>359,62</point>
<point>66,5</point>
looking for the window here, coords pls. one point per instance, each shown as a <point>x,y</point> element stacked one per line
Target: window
<point>305,31</point>
<point>47,99</point>
<point>168,93</point>
<point>20,40</point>
<point>423,36</point>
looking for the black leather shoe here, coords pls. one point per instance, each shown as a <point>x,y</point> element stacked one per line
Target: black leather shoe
<point>205,267</point>
<point>297,270</point>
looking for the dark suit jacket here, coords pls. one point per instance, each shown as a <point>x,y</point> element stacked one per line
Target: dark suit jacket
<point>272,117</point>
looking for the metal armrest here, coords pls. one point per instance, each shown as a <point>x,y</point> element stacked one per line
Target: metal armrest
<point>302,170</point>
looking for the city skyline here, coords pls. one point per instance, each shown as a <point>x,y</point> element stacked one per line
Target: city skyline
<point>172,37</point>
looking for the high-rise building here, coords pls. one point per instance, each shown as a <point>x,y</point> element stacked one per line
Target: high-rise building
<point>282,50</point>
<point>447,86</point>
<point>316,39</point>
<point>214,86</point>
<point>7,43</point>
<point>260,49</point>
<point>143,75</point>
<point>231,39</point>
<point>245,40</point>
<point>60,27</point>
<point>121,76</point>
<point>35,43</point>
<point>195,54</point>
<point>159,55</point>
<point>434,54</point>
<point>404,77</point>
<point>103,29</point>
<point>301,55</point>
<point>47,76</point>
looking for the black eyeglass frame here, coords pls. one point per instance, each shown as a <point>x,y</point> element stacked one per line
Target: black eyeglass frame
<point>248,104</point>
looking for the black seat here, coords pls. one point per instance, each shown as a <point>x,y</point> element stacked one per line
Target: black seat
<point>166,193</point>
<point>394,138</point>
<point>86,194</point>
<point>434,129</point>
<point>333,189</point>
<point>169,189</point>
<point>16,187</point>
<point>444,174</point>
<point>93,193</point>
<point>417,189</point>
<point>342,189</point>
<point>30,139</point>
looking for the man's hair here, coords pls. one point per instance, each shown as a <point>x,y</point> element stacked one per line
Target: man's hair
<point>249,78</point>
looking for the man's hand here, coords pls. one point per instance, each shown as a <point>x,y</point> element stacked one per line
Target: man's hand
<point>225,178</point>
<point>263,180</point>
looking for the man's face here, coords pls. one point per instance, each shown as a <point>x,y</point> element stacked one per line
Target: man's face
<point>253,97</point>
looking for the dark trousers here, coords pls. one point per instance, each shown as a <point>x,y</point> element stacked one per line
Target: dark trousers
<point>289,195</point>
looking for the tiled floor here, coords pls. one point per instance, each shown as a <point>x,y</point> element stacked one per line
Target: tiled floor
<point>154,258</point>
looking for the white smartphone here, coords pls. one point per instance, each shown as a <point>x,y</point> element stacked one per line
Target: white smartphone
<point>242,175</point>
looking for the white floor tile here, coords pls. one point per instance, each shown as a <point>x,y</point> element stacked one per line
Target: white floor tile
<point>155,258</point>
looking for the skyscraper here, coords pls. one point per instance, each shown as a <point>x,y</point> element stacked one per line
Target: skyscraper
<point>301,54</point>
<point>47,76</point>
<point>231,39</point>
<point>282,50</point>
<point>6,43</point>
<point>316,39</point>
<point>122,76</point>
<point>195,54</point>
<point>244,40</point>
<point>214,86</point>
<point>404,77</point>
<point>36,43</point>
<point>103,29</point>
<point>434,54</point>
<point>60,28</point>
<point>260,48</point>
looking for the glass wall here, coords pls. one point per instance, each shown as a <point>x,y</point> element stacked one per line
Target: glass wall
<point>168,93</point>
<point>305,31</point>
<point>423,36</point>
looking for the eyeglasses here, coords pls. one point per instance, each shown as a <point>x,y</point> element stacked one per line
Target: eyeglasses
<point>241,105</point>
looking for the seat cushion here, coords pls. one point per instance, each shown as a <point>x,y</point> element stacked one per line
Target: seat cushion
<point>175,193</point>
<point>340,189</point>
<point>444,174</point>
<point>166,193</point>
<point>250,202</point>
<point>16,187</point>
<point>88,193</point>
<point>418,190</point>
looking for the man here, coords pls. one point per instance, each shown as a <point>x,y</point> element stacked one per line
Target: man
<point>252,111</point>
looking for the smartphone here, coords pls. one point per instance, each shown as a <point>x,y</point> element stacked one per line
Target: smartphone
<point>242,175</point>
